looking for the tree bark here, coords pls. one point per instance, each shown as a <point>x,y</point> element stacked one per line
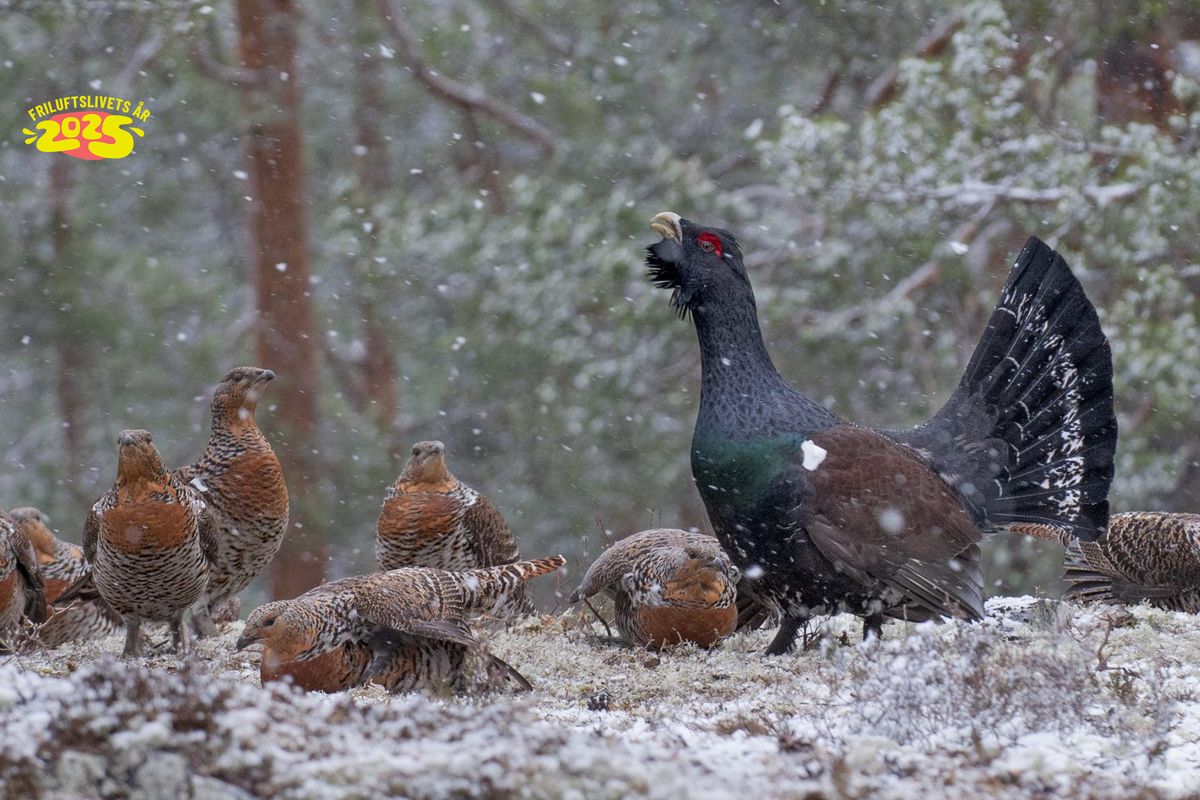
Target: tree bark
<point>378,366</point>
<point>279,266</point>
<point>69,344</point>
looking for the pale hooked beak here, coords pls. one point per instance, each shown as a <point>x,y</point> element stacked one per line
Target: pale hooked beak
<point>666,224</point>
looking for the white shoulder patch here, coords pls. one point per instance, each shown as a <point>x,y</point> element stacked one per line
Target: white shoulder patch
<point>198,482</point>
<point>814,454</point>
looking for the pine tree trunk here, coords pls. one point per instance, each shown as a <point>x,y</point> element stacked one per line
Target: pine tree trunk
<point>378,366</point>
<point>287,339</point>
<point>69,344</point>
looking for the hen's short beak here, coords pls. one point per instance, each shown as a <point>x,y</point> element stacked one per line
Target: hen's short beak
<point>666,224</point>
<point>245,640</point>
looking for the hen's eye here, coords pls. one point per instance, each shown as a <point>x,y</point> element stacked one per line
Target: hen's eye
<point>710,243</point>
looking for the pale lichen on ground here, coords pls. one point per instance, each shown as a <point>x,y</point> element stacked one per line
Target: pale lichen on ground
<point>1041,699</point>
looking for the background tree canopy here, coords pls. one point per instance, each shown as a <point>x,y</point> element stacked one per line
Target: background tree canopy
<point>466,190</point>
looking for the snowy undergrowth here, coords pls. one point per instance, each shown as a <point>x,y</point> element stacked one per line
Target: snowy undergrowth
<point>1040,699</point>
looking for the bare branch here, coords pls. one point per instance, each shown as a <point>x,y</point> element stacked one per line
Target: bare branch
<point>453,92</point>
<point>933,44</point>
<point>201,51</point>
<point>827,91</point>
<point>146,52</point>
<point>974,192</point>
<point>927,275</point>
<point>558,42</point>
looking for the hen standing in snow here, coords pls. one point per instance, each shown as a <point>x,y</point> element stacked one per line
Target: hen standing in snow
<point>823,515</point>
<point>21,592</point>
<point>62,563</point>
<point>432,519</point>
<point>241,481</point>
<point>150,542</point>
<point>670,586</point>
<point>1146,556</point>
<point>404,629</point>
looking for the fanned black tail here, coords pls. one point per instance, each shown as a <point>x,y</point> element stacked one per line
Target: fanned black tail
<point>1028,436</point>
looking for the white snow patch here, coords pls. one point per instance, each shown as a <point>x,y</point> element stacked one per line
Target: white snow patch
<point>1014,706</point>
<point>891,519</point>
<point>814,454</point>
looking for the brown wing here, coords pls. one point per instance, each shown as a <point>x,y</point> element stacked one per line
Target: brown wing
<point>879,513</point>
<point>185,474</point>
<point>209,534</point>
<point>91,526</point>
<point>490,535</point>
<point>413,601</point>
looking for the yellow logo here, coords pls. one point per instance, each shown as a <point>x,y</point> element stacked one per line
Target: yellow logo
<point>87,126</point>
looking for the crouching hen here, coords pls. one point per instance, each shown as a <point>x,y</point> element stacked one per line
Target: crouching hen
<point>1146,557</point>
<point>823,515</point>
<point>21,592</point>
<point>669,585</point>
<point>405,629</point>
<point>150,542</point>
<point>62,563</point>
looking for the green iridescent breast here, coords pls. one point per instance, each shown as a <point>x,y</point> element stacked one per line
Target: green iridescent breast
<point>741,472</point>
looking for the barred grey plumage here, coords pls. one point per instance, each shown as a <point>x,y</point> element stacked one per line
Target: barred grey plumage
<point>1147,556</point>
<point>669,586</point>
<point>413,621</point>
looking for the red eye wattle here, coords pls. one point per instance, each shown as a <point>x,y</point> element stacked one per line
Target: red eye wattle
<point>709,243</point>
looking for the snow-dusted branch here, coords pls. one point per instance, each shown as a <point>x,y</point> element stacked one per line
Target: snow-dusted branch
<point>467,97</point>
<point>923,277</point>
<point>931,45</point>
<point>972,192</point>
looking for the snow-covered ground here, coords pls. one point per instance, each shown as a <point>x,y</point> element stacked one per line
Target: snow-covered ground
<point>1041,700</point>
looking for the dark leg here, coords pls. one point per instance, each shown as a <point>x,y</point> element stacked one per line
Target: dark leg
<point>782,643</point>
<point>179,635</point>
<point>201,621</point>
<point>873,627</point>
<point>133,641</point>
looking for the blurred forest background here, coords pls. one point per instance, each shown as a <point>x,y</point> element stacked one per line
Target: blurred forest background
<point>429,219</point>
